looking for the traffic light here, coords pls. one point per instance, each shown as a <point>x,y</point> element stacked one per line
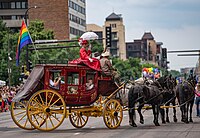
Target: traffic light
<point>23,69</point>
<point>108,36</point>
<point>30,65</point>
<point>164,52</point>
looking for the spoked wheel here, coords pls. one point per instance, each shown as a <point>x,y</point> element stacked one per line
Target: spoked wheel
<point>18,114</point>
<point>46,110</point>
<point>112,114</point>
<point>77,118</point>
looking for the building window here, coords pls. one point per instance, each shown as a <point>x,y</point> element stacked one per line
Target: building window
<point>75,31</point>
<point>23,5</point>
<point>76,7</point>
<point>18,5</point>
<point>113,25</point>
<point>5,5</point>
<point>77,20</point>
<point>83,1</point>
<point>114,35</point>
<point>13,17</point>
<point>12,5</point>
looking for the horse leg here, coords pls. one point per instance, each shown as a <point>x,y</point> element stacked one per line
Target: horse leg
<point>167,113</point>
<point>140,114</point>
<point>174,110</point>
<point>183,113</point>
<point>131,117</point>
<point>157,114</point>
<point>155,109</point>
<point>186,113</point>
<point>162,112</point>
<point>191,105</point>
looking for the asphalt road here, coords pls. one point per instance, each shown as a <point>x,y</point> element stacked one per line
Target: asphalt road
<point>95,128</point>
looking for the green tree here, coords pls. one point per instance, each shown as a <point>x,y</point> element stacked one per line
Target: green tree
<point>3,32</point>
<point>129,69</point>
<point>8,41</point>
<point>174,73</point>
<point>37,31</point>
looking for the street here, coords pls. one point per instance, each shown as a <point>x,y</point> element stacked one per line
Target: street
<point>96,128</point>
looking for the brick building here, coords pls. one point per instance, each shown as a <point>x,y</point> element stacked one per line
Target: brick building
<point>54,13</point>
<point>148,50</point>
<point>67,18</point>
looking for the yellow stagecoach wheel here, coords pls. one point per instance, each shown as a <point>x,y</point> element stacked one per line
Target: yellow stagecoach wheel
<point>77,118</point>
<point>46,110</point>
<point>112,114</point>
<point>18,114</point>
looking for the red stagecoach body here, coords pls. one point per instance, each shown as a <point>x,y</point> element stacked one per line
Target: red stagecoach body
<point>72,77</point>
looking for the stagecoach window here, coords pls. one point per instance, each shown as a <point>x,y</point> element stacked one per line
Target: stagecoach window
<point>73,78</point>
<point>89,80</point>
<point>55,79</point>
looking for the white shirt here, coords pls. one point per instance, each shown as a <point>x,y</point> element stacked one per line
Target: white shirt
<point>51,82</point>
<point>89,86</point>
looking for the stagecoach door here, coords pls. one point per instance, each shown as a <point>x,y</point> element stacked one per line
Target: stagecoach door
<point>52,78</point>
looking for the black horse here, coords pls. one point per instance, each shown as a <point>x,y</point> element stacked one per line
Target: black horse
<point>144,94</point>
<point>185,94</point>
<point>167,84</point>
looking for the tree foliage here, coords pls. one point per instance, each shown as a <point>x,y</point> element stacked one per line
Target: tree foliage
<point>128,69</point>
<point>8,42</point>
<point>174,73</point>
<point>37,31</point>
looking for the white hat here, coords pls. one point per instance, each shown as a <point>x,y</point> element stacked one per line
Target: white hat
<point>105,54</point>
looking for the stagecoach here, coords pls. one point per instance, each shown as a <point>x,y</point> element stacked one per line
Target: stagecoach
<point>38,105</point>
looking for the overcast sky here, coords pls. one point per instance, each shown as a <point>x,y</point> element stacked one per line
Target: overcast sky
<point>176,23</point>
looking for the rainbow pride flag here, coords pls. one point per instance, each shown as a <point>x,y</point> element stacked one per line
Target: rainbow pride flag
<point>24,39</point>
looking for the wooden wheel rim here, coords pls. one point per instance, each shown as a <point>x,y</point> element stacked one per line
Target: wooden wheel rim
<point>46,110</point>
<point>113,114</point>
<point>78,119</point>
<point>18,114</point>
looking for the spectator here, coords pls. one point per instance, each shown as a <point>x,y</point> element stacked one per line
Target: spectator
<point>197,100</point>
<point>89,84</point>
<point>54,83</point>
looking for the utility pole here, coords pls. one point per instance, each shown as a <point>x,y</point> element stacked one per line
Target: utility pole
<point>26,17</point>
<point>9,65</point>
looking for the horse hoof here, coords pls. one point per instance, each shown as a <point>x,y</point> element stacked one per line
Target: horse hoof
<point>191,120</point>
<point>186,121</point>
<point>183,120</point>
<point>163,122</point>
<point>157,124</point>
<point>167,121</point>
<point>133,125</point>
<point>175,120</point>
<point>142,121</point>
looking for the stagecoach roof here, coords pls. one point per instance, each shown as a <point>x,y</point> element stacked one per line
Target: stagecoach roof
<point>30,85</point>
<point>63,65</point>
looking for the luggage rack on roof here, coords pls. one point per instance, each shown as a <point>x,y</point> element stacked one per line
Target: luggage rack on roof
<point>51,61</point>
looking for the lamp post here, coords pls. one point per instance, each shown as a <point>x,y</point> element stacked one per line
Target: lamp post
<point>25,17</point>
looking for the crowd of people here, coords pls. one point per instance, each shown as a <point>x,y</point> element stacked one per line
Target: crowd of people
<point>6,95</point>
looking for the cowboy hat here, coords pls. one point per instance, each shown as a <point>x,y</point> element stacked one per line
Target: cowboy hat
<point>105,54</point>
